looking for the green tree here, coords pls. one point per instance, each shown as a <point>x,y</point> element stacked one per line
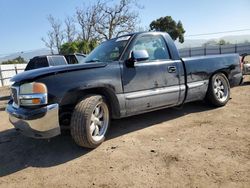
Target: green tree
<point>167,24</point>
<point>69,48</point>
<point>210,43</point>
<point>223,42</point>
<point>18,60</point>
<point>79,46</point>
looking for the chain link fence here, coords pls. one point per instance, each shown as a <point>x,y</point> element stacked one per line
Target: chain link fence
<point>215,49</point>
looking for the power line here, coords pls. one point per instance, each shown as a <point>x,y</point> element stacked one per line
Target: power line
<point>214,33</point>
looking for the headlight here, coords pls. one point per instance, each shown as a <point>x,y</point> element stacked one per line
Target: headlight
<point>34,93</point>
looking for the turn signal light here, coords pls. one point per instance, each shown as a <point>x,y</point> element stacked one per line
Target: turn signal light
<point>36,101</point>
<point>39,88</point>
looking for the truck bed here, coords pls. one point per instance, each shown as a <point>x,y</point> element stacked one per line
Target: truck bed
<point>199,69</point>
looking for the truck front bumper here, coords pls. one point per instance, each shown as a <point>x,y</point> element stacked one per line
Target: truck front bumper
<point>36,123</point>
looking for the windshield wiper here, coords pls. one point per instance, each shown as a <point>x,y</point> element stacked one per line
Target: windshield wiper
<point>92,60</point>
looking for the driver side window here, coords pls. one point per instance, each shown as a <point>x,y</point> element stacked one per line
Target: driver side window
<point>154,45</point>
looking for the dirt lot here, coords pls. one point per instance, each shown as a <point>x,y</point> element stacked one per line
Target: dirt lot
<point>196,146</point>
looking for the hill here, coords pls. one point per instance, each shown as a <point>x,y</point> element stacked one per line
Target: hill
<point>26,55</point>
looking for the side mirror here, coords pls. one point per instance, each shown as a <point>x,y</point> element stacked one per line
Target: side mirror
<point>136,56</point>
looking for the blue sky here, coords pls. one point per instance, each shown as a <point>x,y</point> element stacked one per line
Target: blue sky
<point>24,22</point>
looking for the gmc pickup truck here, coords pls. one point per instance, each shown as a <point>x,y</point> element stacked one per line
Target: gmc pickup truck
<point>124,76</point>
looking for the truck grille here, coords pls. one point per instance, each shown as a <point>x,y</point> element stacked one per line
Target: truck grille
<point>14,95</point>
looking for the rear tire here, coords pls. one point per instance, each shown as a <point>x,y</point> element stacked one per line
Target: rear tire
<point>218,92</point>
<point>90,121</point>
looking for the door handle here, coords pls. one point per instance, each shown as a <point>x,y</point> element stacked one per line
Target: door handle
<point>171,69</point>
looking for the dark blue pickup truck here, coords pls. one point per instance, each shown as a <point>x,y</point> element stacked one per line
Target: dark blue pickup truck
<point>124,76</point>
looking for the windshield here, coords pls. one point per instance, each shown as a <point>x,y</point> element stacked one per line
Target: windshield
<point>108,51</point>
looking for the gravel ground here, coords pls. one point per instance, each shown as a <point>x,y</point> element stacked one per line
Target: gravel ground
<point>196,146</point>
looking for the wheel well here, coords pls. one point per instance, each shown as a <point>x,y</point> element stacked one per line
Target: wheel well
<point>221,71</point>
<point>225,73</point>
<point>70,100</point>
<point>112,100</point>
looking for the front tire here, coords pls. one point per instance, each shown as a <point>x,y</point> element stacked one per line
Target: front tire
<point>90,121</point>
<point>218,92</point>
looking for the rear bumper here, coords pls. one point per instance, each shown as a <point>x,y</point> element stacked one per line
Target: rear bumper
<point>236,80</point>
<point>35,123</point>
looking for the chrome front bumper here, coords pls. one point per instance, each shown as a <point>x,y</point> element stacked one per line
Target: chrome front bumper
<point>36,123</point>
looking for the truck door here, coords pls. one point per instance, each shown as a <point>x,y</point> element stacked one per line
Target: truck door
<point>152,83</point>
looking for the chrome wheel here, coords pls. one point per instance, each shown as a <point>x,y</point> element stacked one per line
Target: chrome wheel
<point>221,88</point>
<point>99,121</point>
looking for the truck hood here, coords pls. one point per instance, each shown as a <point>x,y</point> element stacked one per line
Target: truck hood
<point>32,74</point>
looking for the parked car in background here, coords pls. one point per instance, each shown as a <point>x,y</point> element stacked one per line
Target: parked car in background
<point>245,59</point>
<point>46,61</point>
<point>54,60</point>
<point>75,58</point>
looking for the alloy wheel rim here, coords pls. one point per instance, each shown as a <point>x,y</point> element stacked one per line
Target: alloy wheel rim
<point>99,121</point>
<point>220,89</point>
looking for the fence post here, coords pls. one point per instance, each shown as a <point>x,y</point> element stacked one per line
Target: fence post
<point>220,48</point>
<point>205,50</point>
<point>235,48</point>
<point>15,69</point>
<point>1,76</point>
<point>189,51</point>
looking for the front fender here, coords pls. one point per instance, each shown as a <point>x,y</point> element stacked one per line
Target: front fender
<point>73,96</point>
